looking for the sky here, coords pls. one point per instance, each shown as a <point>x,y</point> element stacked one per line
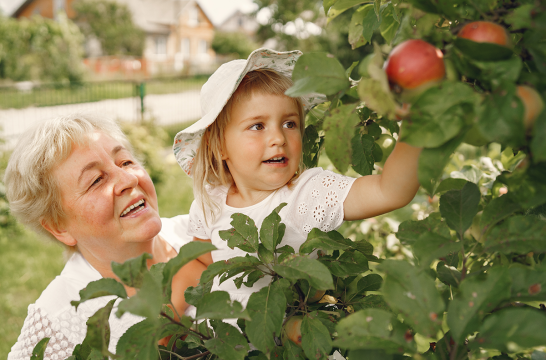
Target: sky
<point>217,10</point>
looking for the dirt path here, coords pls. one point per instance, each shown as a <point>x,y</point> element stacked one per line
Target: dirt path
<point>167,109</point>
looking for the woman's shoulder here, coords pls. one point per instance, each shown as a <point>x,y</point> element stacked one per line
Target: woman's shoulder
<point>174,230</point>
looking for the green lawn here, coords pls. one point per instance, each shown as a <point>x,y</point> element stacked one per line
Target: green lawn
<point>58,94</point>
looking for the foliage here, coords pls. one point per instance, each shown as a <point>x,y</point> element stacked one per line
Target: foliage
<point>146,138</point>
<point>235,44</point>
<point>40,49</point>
<point>471,286</point>
<point>111,23</point>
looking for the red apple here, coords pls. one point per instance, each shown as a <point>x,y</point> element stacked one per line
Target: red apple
<point>533,104</point>
<point>292,330</point>
<point>412,67</point>
<point>485,32</point>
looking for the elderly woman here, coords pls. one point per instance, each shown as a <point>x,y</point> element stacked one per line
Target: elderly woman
<point>76,180</point>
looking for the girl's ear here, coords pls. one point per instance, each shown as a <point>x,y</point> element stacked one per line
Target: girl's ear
<point>58,232</point>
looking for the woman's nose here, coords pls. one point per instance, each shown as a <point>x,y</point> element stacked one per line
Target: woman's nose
<point>124,180</point>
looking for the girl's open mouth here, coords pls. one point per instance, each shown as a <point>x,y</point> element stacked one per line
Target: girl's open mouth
<point>276,160</point>
<point>133,209</point>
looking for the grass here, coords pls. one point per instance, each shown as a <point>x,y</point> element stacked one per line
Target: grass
<point>60,94</point>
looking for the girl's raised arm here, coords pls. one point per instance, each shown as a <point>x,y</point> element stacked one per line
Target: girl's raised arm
<point>378,194</point>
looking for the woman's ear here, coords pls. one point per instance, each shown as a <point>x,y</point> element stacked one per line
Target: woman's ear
<point>58,232</point>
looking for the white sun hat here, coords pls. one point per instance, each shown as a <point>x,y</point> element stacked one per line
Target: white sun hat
<point>218,90</point>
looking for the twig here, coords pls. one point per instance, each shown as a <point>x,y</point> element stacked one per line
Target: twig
<point>197,356</point>
<point>180,324</point>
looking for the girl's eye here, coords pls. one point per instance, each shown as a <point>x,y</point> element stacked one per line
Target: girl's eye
<point>290,124</point>
<point>257,127</point>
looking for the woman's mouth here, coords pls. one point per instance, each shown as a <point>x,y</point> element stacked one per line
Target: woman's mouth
<point>276,160</point>
<point>135,208</point>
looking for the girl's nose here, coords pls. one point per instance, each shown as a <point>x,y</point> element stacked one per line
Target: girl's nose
<point>124,180</point>
<point>278,137</point>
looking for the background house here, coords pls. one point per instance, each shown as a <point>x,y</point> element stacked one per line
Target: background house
<point>178,34</point>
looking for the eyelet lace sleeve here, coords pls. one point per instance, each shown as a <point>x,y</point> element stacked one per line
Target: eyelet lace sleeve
<point>318,203</point>
<point>64,332</point>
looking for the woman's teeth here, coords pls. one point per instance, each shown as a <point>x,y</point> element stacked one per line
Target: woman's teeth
<point>135,205</point>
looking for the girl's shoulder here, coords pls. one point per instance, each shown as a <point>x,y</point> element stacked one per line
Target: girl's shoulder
<point>323,179</point>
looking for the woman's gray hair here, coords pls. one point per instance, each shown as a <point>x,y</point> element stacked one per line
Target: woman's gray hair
<point>32,191</point>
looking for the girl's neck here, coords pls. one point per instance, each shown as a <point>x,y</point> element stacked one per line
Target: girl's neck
<point>241,198</point>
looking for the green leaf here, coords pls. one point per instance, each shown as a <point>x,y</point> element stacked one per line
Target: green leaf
<point>527,188</point>
<point>356,39</point>
<point>519,234</point>
<point>475,299</point>
<point>98,332</point>
<point>243,234</point>
<point>482,51</point>
<point>99,288</point>
<point>132,271</point>
<point>309,75</point>
<point>340,128</point>
<point>339,7</point>
<point>266,309</point>
<point>498,209</point>
<point>431,246</point>
<point>389,23</point>
<point>433,161</point>
<point>140,341</point>
<point>409,231</point>
<point>377,7</point>
<point>231,267</point>
<point>425,5</point>
<point>348,264</point>
<point>373,329</point>
<point>375,355</point>
<point>371,302</point>
<point>370,21</point>
<point>363,158</point>
<point>512,330</point>
<point>147,302</point>
<point>412,292</point>
<point>187,253</point>
<point>538,142</point>
<point>437,115</point>
<point>371,282</point>
<point>218,305</point>
<point>228,343</point>
<point>373,93</point>
<point>499,71</point>
<point>312,145</point>
<point>520,18</point>
<point>501,117</point>
<point>193,295</point>
<point>292,351</point>
<point>449,275</point>
<point>327,241</point>
<point>265,255</point>
<point>272,231</point>
<point>459,207</point>
<point>450,184</point>
<point>39,349</point>
<point>301,267</point>
<point>315,337</point>
<point>527,284</point>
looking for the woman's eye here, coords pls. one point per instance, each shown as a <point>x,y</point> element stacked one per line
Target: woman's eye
<point>127,163</point>
<point>257,127</point>
<point>96,181</point>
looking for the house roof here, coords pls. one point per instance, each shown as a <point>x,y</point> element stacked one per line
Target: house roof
<point>152,16</point>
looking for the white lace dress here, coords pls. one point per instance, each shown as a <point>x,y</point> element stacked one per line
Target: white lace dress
<point>52,315</point>
<point>314,201</point>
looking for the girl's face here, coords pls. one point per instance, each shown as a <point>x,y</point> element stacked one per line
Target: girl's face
<point>263,142</point>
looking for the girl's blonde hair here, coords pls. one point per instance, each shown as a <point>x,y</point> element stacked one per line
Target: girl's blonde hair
<point>209,168</point>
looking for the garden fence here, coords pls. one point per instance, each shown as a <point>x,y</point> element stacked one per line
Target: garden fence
<point>167,100</point>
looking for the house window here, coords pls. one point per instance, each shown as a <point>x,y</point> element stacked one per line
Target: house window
<point>185,47</point>
<point>203,47</point>
<point>193,17</point>
<point>161,45</point>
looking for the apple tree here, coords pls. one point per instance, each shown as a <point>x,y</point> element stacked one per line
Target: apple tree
<point>464,77</point>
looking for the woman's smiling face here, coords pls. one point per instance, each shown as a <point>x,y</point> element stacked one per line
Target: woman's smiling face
<point>108,198</point>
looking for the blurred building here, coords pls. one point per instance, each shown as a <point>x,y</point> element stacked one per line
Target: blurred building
<point>178,33</point>
<point>240,22</point>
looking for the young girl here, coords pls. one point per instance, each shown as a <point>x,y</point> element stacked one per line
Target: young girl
<point>245,157</point>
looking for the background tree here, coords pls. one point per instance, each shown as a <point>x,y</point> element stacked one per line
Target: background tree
<point>40,49</point>
<point>235,44</point>
<point>112,25</point>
